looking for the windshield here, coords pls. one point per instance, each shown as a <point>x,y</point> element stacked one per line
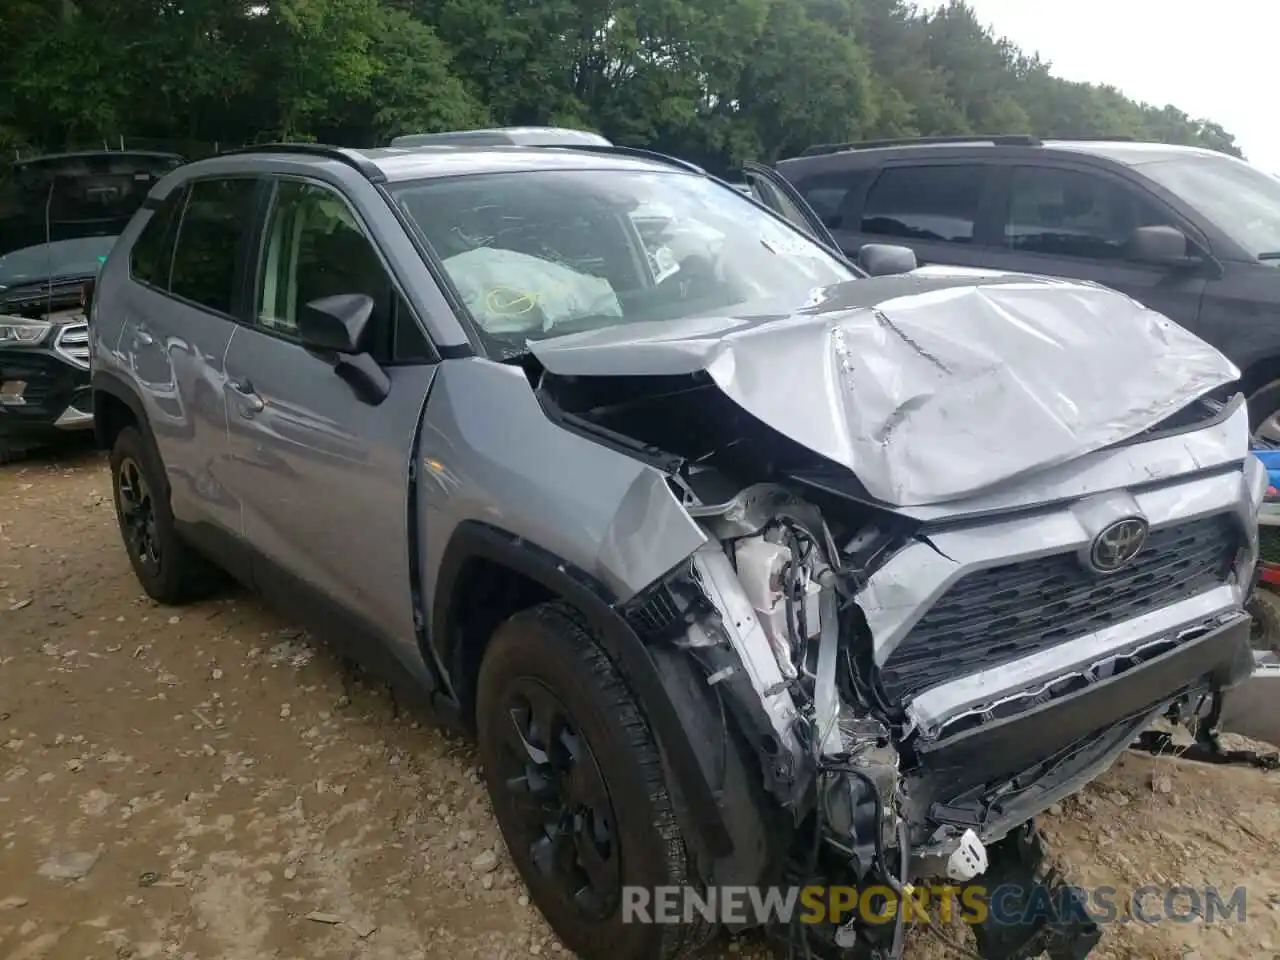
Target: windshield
<point>1241,199</point>
<point>544,253</point>
<point>62,258</point>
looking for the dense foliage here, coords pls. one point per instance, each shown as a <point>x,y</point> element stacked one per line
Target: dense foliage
<point>712,80</point>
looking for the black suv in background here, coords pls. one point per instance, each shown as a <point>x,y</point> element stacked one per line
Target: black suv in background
<point>60,215</point>
<point>1191,233</point>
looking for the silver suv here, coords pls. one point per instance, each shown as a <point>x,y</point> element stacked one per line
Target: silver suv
<point>744,567</point>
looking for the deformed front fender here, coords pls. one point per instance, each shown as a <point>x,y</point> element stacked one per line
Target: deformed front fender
<point>476,540</point>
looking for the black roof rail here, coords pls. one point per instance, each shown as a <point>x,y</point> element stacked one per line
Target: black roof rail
<point>351,158</point>
<point>638,152</point>
<point>1000,140</point>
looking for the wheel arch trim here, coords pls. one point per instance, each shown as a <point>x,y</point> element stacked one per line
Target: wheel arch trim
<point>477,540</point>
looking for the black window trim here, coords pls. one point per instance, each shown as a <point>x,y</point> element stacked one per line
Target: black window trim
<point>982,218</point>
<point>237,292</point>
<point>1117,179</point>
<point>252,281</point>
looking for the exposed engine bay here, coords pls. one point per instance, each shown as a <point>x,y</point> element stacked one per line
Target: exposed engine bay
<point>912,709</point>
<point>926,647</point>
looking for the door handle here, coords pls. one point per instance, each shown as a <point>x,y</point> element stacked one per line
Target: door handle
<point>251,402</point>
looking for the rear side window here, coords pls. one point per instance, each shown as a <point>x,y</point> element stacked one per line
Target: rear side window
<point>828,194</point>
<point>152,252</point>
<point>925,203</point>
<point>1068,213</point>
<point>208,248</point>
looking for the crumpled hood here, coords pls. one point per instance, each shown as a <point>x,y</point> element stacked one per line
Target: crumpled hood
<point>935,385</point>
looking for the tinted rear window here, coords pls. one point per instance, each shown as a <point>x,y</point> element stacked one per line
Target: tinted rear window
<point>92,187</point>
<point>925,203</point>
<point>218,213</point>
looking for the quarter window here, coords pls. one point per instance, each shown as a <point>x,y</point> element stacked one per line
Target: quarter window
<point>204,263</point>
<point>152,252</point>
<point>1069,213</point>
<point>938,203</point>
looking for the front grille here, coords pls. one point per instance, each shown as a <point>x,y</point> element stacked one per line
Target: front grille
<point>73,343</point>
<point>1007,612</point>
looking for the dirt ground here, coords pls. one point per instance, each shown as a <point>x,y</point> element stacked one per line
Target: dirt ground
<point>204,783</point>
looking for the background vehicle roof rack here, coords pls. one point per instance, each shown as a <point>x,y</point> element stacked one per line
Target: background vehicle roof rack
<point>1002,140</point>
<point>638,152</point>
<point>501,136</point>
<point>350,157</point>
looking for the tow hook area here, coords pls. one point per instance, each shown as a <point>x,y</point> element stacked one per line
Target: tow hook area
<point>1038,912</point>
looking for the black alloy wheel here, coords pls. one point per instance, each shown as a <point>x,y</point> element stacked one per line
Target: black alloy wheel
<point>137,515</point>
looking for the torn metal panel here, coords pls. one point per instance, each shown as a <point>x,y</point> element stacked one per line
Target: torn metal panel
<point>902,379</point>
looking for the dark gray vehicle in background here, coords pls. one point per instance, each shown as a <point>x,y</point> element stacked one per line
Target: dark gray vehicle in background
<point>1191,233</point>
<point>60,215</point>
<point>678,510</point>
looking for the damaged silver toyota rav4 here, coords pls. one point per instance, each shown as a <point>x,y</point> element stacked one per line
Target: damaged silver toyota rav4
<point>746,568</point>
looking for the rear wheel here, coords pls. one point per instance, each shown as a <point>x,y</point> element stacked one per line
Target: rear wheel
<point>168,569</point>
<point>577,786</point>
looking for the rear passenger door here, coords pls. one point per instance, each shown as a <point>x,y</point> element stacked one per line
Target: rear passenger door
<point>321,474</point>
<point>179,316</point>
<point>1076,222</point>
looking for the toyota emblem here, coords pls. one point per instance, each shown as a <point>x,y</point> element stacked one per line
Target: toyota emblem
<point>1117,545</point>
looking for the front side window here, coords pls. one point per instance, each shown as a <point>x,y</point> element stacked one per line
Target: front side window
<point>314,248</point>
<point>537,254</point>
<point>1242,200</point>
<point>208,246</point>
<point>1069,213</point>
<point>938,203</point>
<point>828,193</point>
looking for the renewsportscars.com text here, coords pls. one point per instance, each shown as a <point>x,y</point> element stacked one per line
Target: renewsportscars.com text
<point>1011,905</point>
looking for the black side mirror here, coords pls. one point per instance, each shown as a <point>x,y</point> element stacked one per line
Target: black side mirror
<point>1160,245</point>
<point>336,323</point>
<point>885,259</point>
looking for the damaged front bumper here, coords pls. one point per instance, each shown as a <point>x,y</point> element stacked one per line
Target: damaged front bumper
<point>1023,673</point>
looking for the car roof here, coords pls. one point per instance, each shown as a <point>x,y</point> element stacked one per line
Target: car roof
<point>418,163</point>
<point>869,153</point>
<point>397,164</point>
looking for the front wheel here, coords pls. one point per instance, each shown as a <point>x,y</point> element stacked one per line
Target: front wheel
<point>168,569</point>
<point>577,787</point>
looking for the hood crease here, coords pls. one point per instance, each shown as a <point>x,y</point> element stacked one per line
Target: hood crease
<point>930,387</point>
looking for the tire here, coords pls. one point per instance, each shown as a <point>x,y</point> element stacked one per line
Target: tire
<point>170,571</point>
<point>544,662</point>
<point>11,452</point>
<point>1264,607</point>
<point>1264,403</point>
